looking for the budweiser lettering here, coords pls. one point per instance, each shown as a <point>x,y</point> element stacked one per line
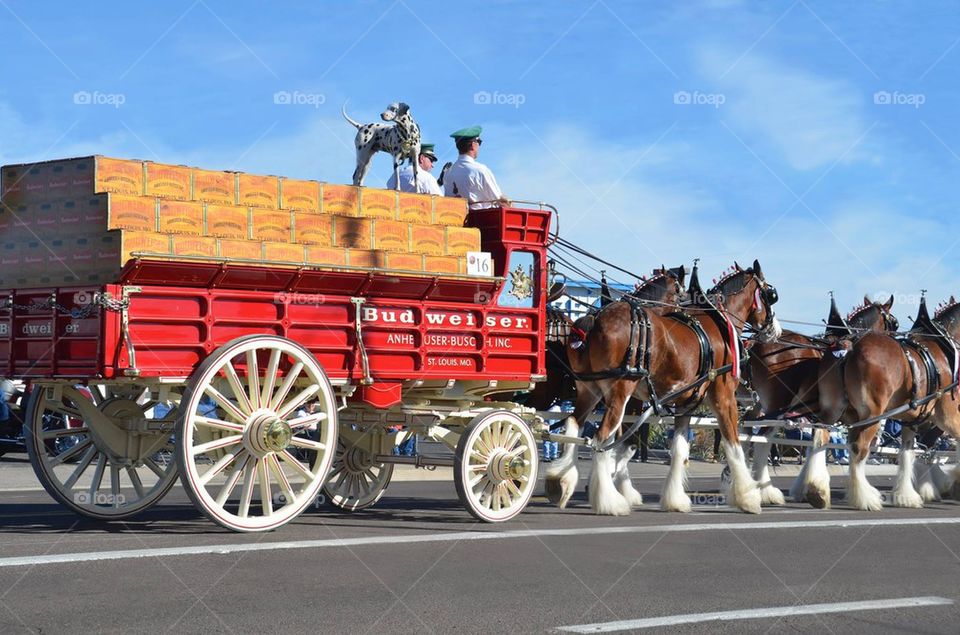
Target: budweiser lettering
<point>380,315</point>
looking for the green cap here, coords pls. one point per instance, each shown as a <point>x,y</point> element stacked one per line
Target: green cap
<point>427,149</point>
<point>467,133</point>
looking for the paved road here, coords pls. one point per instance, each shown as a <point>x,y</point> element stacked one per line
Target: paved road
<point>418,563</point>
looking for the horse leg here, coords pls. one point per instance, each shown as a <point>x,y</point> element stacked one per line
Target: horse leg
<point>674,497</point>
<point>769,494</point>
<point>813,482</point>
<point>562,476</point>
<point>904,494</point>
<point>622,476</point>
<point>928,478</point>
<point>743,491</point>
<point>860,493</point>
<point>604,497</point>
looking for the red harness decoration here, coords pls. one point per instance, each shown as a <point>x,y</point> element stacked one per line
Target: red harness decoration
<point>734,346</point>
<point>577,337</point>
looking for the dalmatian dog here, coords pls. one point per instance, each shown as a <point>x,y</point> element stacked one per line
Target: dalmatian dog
<point>400,140</point>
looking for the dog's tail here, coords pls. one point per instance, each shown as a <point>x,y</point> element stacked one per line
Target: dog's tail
<point>343,109</point>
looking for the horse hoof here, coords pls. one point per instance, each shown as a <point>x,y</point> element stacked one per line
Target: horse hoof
<point>907,499</point>
<point>612,507</point>
<point>817,499</point>
<point>553,490</point>
<point>771,495</point>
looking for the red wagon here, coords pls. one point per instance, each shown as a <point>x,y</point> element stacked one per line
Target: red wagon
<point>261,385</point>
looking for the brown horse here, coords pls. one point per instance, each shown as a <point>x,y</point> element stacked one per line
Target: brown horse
<point>660,293</point>
<point>631,352</point>
<point>883,376</point>
<point>785,376</point>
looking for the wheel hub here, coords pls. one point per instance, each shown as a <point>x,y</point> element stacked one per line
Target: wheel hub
<point>503,467</point>
<point>266,432</point>
<point>357,460</point>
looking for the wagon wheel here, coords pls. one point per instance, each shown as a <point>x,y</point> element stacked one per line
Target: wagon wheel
<point>356,481</point>
<point>249,462</point>
<point>94,449</point>
<point>495,467</point>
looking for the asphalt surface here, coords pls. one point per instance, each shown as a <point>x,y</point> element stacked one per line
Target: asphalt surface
<point>417,562</point>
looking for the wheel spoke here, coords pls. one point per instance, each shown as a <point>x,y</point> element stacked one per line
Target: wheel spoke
<point>72,452</point>
<point>514,490</point>
<point>218,424</point>
<point>296,402</point>
<point>115,485</point>
<point>309,444</point>
<point>156,469</point>
<point>239,392</point>
<point>286,386</point>
<point>246,492</point>
<point>137,483</point>
<point>266,500</point>
<point>220,465</point>
<point>282,479</point>
<point>270,378</point>
<point>512,440</point>
<point>253,378</point>
<point>225,403</point>
<point>81,468</point>
<point>306,421</point>
<point>63,432</point>
<point>216,444</point>
<point>296,465</point>
<point>232,480</point>
<point>97,476</point>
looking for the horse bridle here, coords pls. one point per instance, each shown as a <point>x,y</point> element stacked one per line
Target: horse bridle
<point>767,294</point>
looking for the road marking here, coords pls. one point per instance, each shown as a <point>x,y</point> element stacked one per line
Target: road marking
<point>754,614</point>
<point>91,556</point>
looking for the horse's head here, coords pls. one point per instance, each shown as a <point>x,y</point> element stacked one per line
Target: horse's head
<point>665,286</point>
<point>747,295</point>
<point>947,315</point>
<point>873,316</point>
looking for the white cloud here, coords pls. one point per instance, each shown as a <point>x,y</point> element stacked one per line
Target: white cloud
<point>810,120</point>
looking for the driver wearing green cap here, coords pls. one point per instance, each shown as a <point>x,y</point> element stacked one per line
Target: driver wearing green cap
<point>426,183</point>
<point>468,178</point>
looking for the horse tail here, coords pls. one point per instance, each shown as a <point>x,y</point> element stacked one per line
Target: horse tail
<point>343,110</point>
<point>562,476</point>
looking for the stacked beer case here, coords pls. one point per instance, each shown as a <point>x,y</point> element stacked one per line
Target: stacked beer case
<point>80,220</point>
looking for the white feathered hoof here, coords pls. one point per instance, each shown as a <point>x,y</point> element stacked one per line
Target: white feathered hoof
<point>675,502</point>
<point>817,495</point>
<point>746,497</point>
<point>907,498</point>
<point>553,490</point>
<point>568,484</point>
<point>867,498</point>
<point>604,497</point>
<point>630,493</point>
<point>928,491</point>
<point>771,495</point>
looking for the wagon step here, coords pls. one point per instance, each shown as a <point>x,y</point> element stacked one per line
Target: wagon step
<point>417,461</point>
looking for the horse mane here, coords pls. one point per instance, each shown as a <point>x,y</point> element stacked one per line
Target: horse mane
<point>947,312</point>
<point>651,288</point>
<point>857,316</point>
<point>731,282</point>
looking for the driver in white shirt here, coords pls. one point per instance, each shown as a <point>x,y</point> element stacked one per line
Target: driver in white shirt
<point>467,178</point>
<point>426,183</point>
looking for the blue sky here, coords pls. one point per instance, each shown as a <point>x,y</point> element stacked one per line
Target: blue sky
<point>819,137</point>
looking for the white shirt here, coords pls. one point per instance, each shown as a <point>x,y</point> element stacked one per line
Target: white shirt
<point>467,178</point>
<point>426,183</point>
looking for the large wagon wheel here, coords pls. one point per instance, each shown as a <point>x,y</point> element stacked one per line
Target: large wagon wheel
<point>495,466</point>
<point>249,463</point>
<point>94,449</point>
<point>356,481</point>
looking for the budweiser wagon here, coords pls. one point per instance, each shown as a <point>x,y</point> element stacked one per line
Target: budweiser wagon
<point>265,339</point>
